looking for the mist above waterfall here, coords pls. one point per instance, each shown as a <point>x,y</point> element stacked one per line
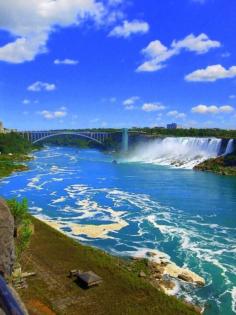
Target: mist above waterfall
<point>182,152</point>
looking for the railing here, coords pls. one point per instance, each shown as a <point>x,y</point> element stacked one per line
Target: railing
<point>8,303</point>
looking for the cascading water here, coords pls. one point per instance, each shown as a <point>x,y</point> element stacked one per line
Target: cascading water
<point>230,147</point>
<point>184,152</point>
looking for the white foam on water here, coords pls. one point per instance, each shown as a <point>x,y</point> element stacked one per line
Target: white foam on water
<point>57,179</point>
<point>36,209</point>
<point>233,293</point>
<point>59,200</point>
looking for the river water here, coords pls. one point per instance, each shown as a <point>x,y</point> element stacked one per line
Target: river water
<point>129,208</point>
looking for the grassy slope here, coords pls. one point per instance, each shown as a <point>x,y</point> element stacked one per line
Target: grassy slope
<point>224,165</point>
<point>52,255</point>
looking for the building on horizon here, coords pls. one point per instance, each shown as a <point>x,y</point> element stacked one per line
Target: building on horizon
<point>1,127</point>
<point>6,130</point>
<point>173,126</point>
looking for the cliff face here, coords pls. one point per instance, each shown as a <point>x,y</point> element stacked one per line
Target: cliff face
<point>7,249</point>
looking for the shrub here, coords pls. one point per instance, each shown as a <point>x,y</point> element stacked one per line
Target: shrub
<point>19,210</point>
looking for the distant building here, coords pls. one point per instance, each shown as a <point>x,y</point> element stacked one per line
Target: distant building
<point>173,126</point>
<point>7,130</point>
<point>1,127</point>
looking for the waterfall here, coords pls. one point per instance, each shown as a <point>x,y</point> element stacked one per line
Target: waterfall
<point>230,147</point>
<point>183,152</point>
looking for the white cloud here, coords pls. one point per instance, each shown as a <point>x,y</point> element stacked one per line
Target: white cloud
<point>176,114</point>
<point>26,101</point>
<point>32,24</point>
<point>226,54</point>
<point>212,109</point>
<point>211,74</point>
<point>41,86</point>
<point>200,44</point>
<point>130,28</point>
<point>152,107</point>
<point>130,102</point>
<point>150,66</point>
<point>24,48</point>
<point>58,114</point>
<point>232,96</point>
<point>156,53</point>
<point>66,61</point>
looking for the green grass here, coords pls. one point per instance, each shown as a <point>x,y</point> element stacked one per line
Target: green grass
<point>52,254</point>
<point>9,164</point>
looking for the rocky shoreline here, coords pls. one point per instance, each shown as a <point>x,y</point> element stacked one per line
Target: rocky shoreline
<point>165,275</point>
<point>223,165</point>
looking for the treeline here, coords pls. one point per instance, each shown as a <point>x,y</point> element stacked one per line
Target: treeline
<point>192,132</point>
<point>158,131</point>
<point>15,144</point>
<point>71,140</point>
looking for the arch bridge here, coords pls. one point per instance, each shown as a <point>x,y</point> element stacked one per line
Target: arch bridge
<point>37,136</point>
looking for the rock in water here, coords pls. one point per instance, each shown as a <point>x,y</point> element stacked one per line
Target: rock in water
<point>7,249</point>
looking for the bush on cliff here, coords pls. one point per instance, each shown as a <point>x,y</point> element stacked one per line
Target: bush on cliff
<point>19,210</point>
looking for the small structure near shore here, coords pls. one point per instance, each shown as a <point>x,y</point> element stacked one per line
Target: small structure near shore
<point>88,279</point>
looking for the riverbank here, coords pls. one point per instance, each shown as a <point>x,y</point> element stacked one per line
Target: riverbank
<point>14,150</point>
<point>51,255</point>
<point>9,163</point>
<point>223,165</point>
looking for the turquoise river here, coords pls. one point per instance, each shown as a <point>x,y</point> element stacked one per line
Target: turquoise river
<point>130,208</point>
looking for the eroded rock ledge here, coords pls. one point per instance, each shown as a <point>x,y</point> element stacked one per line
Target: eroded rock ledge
<point>160,266</point>
<point>7,253</point>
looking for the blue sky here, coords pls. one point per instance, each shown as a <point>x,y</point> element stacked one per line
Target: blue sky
<point>117,63</point>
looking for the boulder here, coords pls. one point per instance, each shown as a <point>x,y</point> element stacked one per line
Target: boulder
<point>185,277</point>
<point>7,253</point>
<point>142,274</point>
<point>150,254</point>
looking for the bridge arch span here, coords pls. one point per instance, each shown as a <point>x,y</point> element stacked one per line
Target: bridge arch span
<point>68,133</point>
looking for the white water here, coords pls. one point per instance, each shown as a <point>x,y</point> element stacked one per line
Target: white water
<point>181,152</point>
<point>230,147</point>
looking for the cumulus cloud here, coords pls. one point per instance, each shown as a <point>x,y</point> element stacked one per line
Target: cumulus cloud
<point>41,86</point>
<point>130,28</point>
<point>212,109</point>
<point>24,48</point>
<point>152,107</point>
<point>130,102</point>
<point>70,62</point>
<point>200,44</point>
<point>211,74</point>
<point>176,114</point>
<point>156,54</point>
<point>32,24</point>
<point>58,114</point>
